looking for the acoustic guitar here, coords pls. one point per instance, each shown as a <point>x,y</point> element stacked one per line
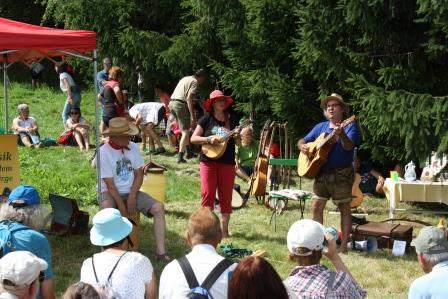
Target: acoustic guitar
<point>259,177</point>
<point>215,151</point>
<point>357,194</point>
<point>310,164</point>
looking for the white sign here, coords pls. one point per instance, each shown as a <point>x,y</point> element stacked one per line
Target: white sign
<point>399,248</point>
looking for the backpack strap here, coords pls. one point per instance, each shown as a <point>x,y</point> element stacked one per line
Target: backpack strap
<point>11,227</point>
<point>111,272</point>
<point>216,273</point>
<point>188,272</point>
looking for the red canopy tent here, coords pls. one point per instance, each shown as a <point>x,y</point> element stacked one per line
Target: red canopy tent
<point>25,42</point>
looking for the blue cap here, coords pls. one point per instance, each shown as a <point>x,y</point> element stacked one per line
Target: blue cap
<point>26,193</point>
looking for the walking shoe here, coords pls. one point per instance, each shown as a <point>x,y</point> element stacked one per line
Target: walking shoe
<point>180,158</point>
<point>190,154</point>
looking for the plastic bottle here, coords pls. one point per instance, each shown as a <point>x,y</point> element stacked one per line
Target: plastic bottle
<point>442,226</point>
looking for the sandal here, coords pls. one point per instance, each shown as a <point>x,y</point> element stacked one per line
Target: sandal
<point>162,257</point>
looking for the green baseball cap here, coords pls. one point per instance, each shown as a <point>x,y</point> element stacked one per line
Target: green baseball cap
<point>431,240</point>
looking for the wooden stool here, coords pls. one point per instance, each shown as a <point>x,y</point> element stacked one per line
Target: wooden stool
<point>135,234</point>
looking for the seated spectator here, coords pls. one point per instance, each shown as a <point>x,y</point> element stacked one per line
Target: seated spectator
<point>115,271</point>
<point>431,247</point>
<point>255,278</point>
<point>147,116</point>
<point>245,154</point>
<point>23,206</point>
<point>310,279</point>
<point>25,127</point>
<point>203,235</point>
<point>80,128</point>
<point>20,275</point>
<point>81,290</point>
<point>372,181</point>
<point>122,177</point>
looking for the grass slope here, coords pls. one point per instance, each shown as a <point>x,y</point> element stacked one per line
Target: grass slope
<point>66,171</point>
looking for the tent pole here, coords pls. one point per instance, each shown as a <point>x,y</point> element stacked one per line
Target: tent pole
<point>97,125</point>
<point>5,90</point>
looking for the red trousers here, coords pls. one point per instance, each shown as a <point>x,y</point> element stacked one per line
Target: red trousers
<point>217,176</point>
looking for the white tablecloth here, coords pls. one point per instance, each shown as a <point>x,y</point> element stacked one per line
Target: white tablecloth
<point>418,191</point>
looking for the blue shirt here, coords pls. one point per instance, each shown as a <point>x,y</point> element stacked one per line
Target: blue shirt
<point>432,285</point>
<point>35,242</point>
<point>338,157</point>
<point>100,77</point>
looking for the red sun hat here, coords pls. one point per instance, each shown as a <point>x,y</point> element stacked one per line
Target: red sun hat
<point>215,95</point>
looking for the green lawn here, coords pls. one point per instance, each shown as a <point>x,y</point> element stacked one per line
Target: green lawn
<point>65,170</point>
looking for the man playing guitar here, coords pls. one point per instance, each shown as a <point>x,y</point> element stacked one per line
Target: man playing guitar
<point>335,178</point>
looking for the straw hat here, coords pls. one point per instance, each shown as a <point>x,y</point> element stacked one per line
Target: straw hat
<point>333,96</point>
<point>215,95</point>
<point>119,126</point>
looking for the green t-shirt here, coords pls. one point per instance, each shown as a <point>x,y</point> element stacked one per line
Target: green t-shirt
<point>247,154</point>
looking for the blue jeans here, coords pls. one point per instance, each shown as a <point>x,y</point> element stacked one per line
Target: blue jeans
<point>76,96</point>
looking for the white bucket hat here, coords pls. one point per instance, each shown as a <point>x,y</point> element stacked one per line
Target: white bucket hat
<point>305,233</point>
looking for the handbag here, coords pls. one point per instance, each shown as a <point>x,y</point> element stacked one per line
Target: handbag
<point>64,138</point>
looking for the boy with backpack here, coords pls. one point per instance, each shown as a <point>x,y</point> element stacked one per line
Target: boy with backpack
<point>202,273</point>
